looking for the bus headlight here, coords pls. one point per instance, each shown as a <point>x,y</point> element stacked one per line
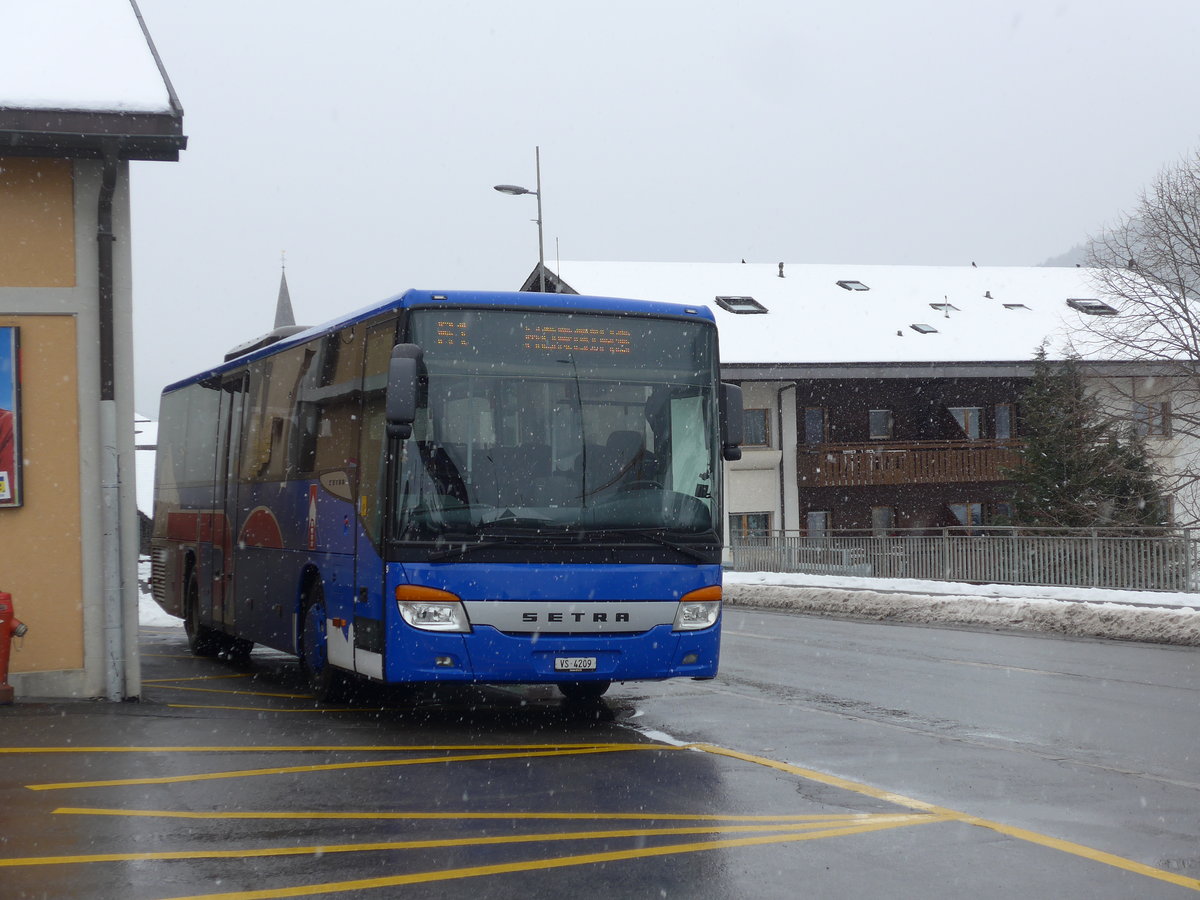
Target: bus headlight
<point>430,609</point>
<point>698,609</point>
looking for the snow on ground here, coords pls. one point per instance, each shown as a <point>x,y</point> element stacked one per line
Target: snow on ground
<point>1082,612</point>
<point>149,612</point>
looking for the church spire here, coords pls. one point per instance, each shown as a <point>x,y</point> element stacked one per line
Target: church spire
<point>283,307</point>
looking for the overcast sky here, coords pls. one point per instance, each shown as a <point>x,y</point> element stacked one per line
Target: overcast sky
<point>364,138</point>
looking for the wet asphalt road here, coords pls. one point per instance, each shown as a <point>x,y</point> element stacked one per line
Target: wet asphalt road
<point>830,759</point>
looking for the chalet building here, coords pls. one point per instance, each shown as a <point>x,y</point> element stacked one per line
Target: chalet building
<point>881,397</point>
<point>82,95</point>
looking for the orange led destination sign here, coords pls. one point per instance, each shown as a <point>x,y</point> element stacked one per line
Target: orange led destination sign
<point>545,337</point>
<point>581,340</point>
<point>453,334</point>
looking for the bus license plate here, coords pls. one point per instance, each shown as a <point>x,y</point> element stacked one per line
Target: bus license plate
<point>575,664</point>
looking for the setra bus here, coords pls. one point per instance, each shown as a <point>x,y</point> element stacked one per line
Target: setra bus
<point>455,487</point>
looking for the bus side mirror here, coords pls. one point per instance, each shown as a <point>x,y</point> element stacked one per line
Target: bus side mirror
<point>401,406</point>
<point>731,421</point>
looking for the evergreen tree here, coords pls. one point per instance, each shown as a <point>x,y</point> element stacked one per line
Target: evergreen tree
<point>1076,468</point>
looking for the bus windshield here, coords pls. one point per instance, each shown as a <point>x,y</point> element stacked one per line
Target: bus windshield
<point>536,424</point>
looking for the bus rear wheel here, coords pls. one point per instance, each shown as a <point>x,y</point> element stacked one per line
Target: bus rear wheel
<point>326,682</point>
<point>584,690</point>
<point>202,640</point>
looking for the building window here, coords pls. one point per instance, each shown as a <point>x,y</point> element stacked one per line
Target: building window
<point>1003,425</point>
<point>748,525</point>
<point>883,520</point>
<point>814,425</point>
<point>881,424</point>
<point>817,523</point>
<point>967,418</point>
<point>1152,419</point>
<point>756,428</point>
<point>969,514</point>
<point>1092,307</point>
<point>741,305</point>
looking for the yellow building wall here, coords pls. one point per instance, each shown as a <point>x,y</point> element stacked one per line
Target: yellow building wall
<point>41,562</point>
<point>37,223</point>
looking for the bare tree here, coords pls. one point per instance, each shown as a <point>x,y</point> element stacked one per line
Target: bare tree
<point>1146,270</point>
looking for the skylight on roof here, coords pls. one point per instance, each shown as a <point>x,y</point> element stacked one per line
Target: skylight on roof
<point>1015,306</point>
<point>944,307</point>
<point>1092,307</point>
<point>853,285</point>
<point>741,305</point>
<point>923,329</point>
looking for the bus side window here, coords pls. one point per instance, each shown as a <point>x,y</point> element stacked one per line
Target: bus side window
<point>373,442</point>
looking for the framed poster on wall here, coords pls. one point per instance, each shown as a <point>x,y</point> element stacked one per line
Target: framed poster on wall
<point>10,417</point>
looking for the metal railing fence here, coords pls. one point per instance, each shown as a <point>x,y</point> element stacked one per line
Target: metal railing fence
<point>1164,560</point>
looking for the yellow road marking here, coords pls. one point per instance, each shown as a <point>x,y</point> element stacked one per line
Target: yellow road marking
<point>539,864</point>
<point>325,767</point>
<point>1022,834</point>
<point>853,824</point>
<point>177,687</point>
<point>195,678</point>
<point>328,748</point>
<point>272,709</point>
<point>456,816</point>
<point>825,826</point>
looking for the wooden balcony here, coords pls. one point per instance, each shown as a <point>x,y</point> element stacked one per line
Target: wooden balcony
<point>920,462</point>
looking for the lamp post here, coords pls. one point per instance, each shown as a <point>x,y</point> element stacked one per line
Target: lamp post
<point>516,190</point>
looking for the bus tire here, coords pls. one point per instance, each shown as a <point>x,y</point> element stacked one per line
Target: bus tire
<point>237,650</point>
<point>202,640</point>
<point>584,690</point>
<point>326,682</point>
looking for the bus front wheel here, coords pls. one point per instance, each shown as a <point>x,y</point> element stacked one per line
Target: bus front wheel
<point>326,683</point>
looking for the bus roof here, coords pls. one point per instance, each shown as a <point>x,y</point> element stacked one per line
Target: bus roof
<point>412,299</point>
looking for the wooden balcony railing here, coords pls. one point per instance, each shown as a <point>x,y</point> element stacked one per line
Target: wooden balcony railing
<point>921,462</point>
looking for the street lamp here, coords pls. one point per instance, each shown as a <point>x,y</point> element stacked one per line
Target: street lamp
<point>517,190</point>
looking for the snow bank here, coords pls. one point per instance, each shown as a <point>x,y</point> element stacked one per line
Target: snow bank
<point>149,612</point>
<point>1098,616</point>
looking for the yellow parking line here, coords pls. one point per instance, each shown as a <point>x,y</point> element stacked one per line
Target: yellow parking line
<point>326,767</point>
<point>551,863</point>
<point>176,687</point>
<point>460,816</point>
<point>267,709</point>
<point>328,748</point>
<point>1022,834</point>
<point>195,678</point>
<point>827,827</point>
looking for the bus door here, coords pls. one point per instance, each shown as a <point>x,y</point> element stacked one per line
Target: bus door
<point>370,603</point>
<point>225,512</point>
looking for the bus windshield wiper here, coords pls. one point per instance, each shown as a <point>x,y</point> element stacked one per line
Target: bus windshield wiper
<point>457,544</point>
<point>658,537</point>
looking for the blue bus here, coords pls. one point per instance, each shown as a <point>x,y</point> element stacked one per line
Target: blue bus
<point>455,487</point>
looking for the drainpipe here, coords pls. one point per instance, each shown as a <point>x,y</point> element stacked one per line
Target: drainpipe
<point>110,482</point>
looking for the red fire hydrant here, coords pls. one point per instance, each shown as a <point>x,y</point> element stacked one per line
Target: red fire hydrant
<point>10,627</point>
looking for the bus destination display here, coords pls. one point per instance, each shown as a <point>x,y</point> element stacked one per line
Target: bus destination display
<point>546,337</point>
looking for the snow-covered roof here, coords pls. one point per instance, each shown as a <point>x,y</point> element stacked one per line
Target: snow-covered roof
<point>974,314</point>
<point>78,55</point>
<point>81,78</point>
